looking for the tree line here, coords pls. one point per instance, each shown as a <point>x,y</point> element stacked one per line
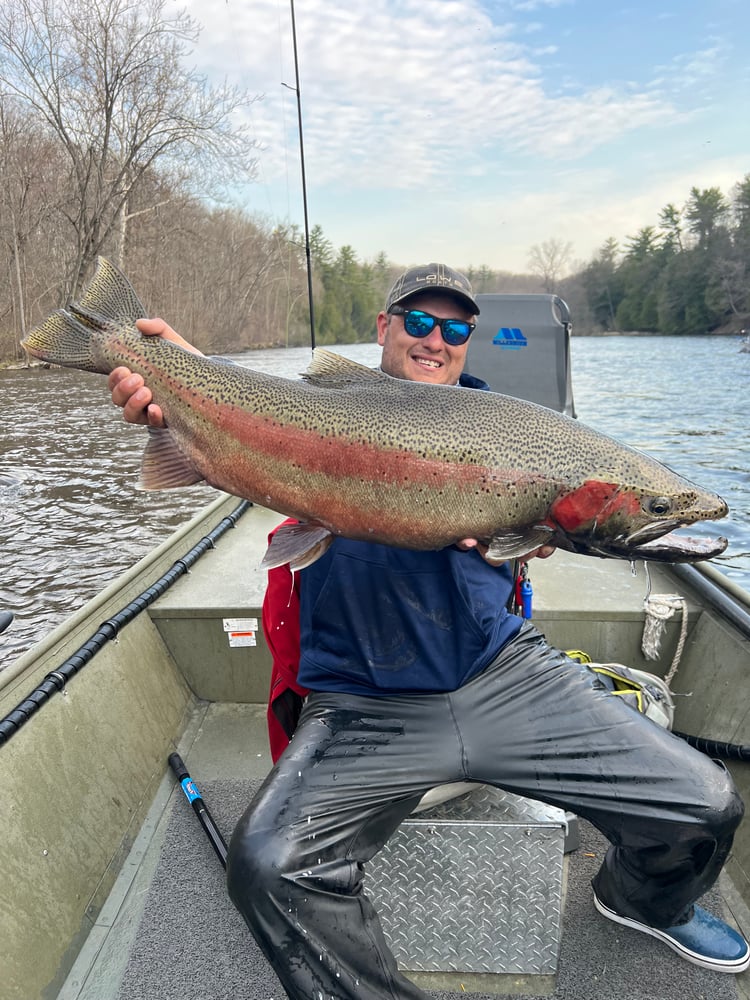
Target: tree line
<point>110,145</point>
<point>687,273</point>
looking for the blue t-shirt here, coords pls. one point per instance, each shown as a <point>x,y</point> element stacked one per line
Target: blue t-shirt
<point>378,620</point>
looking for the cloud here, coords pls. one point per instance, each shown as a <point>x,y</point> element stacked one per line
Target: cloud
<point>533,5</point>
<point>481,128</point>
<point>689,71</point>
<point>409,93</point>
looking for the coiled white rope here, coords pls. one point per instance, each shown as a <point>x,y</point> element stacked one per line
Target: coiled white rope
<point>659,609</point>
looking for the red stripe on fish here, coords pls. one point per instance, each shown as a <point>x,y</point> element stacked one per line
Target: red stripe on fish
<point>339,456</point>
<point>593,501</point>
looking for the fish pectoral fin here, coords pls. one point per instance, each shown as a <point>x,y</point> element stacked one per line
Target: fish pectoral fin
<point>297,544</point>
<point>164,466</point>
<point>512,544</point>
<point>333,371</point>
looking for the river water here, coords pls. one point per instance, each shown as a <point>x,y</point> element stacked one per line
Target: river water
<point>71,519</point>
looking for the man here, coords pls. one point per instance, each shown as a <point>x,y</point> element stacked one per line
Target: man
<point>419,676</point>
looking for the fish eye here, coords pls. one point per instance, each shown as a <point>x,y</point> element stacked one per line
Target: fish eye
<point>658,506</point>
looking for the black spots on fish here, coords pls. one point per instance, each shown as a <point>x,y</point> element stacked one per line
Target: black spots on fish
<point>686,501</point>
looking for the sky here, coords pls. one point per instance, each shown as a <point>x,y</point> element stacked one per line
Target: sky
<point>470,131</point>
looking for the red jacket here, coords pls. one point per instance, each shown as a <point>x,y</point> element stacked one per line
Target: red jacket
<point>280,621</point>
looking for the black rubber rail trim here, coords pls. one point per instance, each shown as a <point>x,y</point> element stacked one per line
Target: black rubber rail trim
<point>57,679</point>
<point>716,748</point>
<point>717,598</point>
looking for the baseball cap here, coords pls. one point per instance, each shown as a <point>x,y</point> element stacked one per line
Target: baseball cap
<point>430,278</point>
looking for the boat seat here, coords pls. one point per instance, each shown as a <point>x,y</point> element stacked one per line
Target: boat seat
<point>521,347</point>
<point>472,885</point>
<point>443,793</point>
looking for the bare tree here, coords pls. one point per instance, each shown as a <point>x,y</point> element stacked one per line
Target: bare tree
<point>107,78</point>
<point>548,261</point>
<point>729,286</point>
<point>28,164</point>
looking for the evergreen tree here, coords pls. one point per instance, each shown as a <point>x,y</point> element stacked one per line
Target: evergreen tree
<point>682,305</point>
<point>603,285</point>
<point>670,222</point>
<point>640,270</point>
<point>705,213</point>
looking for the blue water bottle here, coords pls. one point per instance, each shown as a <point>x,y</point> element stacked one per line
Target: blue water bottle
<point>526,596</point>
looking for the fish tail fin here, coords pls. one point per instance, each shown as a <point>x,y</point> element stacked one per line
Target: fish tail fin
<point>108,296</point>
<point>63,340</point>
<point>68,337</point>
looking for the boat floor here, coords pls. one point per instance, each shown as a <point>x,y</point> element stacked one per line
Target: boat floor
<point>169,930</point>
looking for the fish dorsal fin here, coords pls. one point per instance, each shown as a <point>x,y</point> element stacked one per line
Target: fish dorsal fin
<point>336,372</point>
<point>109,296</point>
<point>164,467</point>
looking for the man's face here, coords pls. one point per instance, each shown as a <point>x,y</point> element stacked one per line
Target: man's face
<point>428,359</point>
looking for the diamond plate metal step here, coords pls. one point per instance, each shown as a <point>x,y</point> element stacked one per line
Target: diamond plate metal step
<point>474,885</point>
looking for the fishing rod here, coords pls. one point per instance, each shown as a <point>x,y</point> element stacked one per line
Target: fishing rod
<point>308,256</point>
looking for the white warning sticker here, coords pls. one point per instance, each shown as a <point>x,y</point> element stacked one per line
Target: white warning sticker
<point>240,624</point>
<point>241,631</point>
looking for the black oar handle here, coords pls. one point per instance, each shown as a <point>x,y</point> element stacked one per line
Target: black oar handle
<point>200,808</point>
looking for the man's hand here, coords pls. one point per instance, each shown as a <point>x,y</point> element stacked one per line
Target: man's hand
<point>543,552</point>
<point>128,388</point>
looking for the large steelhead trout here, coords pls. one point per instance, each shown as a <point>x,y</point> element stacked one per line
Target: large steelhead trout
<point>352,451</point>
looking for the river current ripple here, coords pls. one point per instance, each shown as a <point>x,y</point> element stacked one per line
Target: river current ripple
<point>71,519</point>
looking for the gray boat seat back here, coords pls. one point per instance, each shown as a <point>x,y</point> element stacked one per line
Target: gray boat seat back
<point>521,347</point>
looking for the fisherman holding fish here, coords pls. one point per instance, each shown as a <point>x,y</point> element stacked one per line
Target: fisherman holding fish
<point>415,674</point>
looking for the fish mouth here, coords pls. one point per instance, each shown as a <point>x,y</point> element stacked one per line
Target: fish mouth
<point>679,548</point>
<point>648,533</point>
<point>654,542</point>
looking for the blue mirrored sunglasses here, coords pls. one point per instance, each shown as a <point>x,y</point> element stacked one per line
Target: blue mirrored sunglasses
<point>421,324</point>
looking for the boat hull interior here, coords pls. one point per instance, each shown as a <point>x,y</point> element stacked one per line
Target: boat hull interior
<point>89,796</point>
